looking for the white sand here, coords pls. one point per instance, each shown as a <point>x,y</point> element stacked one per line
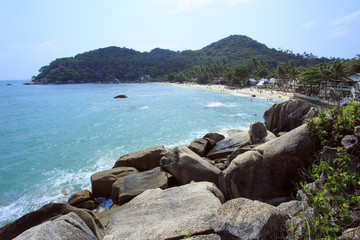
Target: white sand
<point>268,94</point>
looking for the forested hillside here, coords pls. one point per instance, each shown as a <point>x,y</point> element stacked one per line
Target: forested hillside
<point>114,64</point>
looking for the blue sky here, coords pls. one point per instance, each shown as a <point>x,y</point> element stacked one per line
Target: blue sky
<point>35,32</point>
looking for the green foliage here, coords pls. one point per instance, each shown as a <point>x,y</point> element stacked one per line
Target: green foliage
<point>334,200</point>
<point>335,192</point>
<point>332,126</point>
<point>189,234</point>
<point>237,76</point>
<point>128,65</point>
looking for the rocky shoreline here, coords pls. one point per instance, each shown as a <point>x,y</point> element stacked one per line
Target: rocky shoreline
<point>243,186</point>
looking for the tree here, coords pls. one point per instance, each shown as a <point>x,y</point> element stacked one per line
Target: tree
<point>292,74</point>
<point>281,71</point>
<point>309,77</point>
<point>338,72</point>
<point>237,76</point>
<point>262,72</point>
<point>325,75</point>
<point>180,77</point>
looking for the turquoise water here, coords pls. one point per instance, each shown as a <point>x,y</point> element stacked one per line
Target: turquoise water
<point>52,138</point>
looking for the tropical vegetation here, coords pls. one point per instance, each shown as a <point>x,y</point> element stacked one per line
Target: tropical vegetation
<point>335,196</point>
<point>113,64</point>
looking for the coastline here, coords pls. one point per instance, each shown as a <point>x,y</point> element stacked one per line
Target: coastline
<point>262,93</point>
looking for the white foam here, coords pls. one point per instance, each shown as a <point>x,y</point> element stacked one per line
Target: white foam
<point>215,105</point>
<point>144,107</point>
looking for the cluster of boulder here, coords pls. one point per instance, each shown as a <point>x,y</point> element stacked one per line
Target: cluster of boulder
<point>242,186</point>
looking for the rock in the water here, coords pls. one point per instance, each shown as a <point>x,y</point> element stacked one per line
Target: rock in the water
<point>200,146</point>
<point>102,181</point>
<point>142,160</point>
<point>121,96</point>
<point>126,188</point>
<point>170,213</point>
<point>50,212</point>
<point>288,115</point>
<point>245,219</point>
<point>226,146</point>
<point>69,226</point>
<point>83,199</point>
<point>187,166</point>
<point>271,169</point>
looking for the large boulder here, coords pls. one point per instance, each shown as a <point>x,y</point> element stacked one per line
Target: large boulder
<point>245,219</point>
<point>259,134</point>
<point>187,166</point>
<point>142,160</point>
<point>48,212</point>
<point>83,199</point>
<point>167,214</point>
<point>69,226</point>
<point>126,188</point>
<point>271,170</point>
<point>213,138</point>
<point>102,181</point>
<point>226,146</point>
<point>285,116</point>
<point>200,146</point>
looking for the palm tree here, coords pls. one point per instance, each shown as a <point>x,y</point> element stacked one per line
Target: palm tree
<point>325,75</point>
<point>292,75</point>
<point>338,72</point>
<point>281,71</point>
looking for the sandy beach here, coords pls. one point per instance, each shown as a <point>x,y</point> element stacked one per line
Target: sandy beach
<point>267,94</point>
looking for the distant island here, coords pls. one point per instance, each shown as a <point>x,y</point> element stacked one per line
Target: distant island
<point>119,65</point>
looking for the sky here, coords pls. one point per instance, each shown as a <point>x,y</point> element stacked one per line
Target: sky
<point>35,32</point>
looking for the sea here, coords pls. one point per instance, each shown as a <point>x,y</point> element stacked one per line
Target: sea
<point>54,137</point>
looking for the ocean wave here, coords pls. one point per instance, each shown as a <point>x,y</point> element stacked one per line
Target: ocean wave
<point>144,107</point>
<point>219,105</point>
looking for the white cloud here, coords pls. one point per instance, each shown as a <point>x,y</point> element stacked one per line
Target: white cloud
<point>308,24</point>
<point>345,24</point>
<point>347,18</point>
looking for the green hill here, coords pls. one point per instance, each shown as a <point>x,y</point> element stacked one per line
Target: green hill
<point>114,64</point>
